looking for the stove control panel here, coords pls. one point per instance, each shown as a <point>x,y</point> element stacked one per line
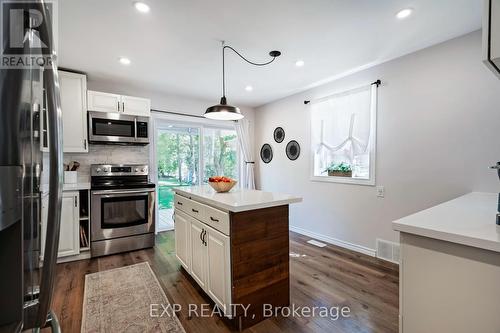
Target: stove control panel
<point>118,170</point>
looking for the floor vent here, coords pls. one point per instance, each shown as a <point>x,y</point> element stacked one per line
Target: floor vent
<point>388,250</point>
<point>316,243</point>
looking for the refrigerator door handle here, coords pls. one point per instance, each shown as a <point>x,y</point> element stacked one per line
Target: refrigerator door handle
<point>53,322</point>
<point>54,117</point>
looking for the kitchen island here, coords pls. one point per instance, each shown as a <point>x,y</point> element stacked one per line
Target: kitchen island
<point>235,246</point>
<point>450,267</point>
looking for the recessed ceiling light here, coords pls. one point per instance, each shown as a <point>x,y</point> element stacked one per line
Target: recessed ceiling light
<point>141,6</point>
<point>299,63</point>
<point>248,88</point>
<point>124,61</point>
<point>404,13</point>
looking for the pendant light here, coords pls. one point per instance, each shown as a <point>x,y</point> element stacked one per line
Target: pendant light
<point>223,111</point>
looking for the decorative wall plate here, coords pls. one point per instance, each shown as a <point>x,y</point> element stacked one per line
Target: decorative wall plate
<point>266,153</point>
<point>279,134</point>
<point>293,150</point>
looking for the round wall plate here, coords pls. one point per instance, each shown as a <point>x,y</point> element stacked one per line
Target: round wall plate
<point>266,153</point>
<point>293,150</point>
<point>279,134</point>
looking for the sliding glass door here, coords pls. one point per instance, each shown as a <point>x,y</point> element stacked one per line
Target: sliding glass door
<point>177,159</point>
<point>187,154</point>
<point>220,153</point>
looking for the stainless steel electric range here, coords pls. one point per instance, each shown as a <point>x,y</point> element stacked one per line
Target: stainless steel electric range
<point>122,208</point>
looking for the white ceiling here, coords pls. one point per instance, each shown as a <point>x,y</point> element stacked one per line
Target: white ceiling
<point>175,47</point>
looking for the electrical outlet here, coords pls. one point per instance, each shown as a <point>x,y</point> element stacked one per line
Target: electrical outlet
<point>380,191</point>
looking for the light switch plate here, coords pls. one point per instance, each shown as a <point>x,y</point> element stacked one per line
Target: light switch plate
<point>380,191</point>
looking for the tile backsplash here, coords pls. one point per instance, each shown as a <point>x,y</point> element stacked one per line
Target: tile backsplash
<point>102,154</point>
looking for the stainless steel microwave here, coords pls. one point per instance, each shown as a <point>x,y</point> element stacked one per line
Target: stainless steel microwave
<point>118,128</point>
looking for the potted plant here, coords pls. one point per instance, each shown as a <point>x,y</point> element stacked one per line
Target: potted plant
<point>339,170</point>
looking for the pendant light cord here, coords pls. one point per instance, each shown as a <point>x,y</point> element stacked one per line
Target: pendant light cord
<point>224,47</point>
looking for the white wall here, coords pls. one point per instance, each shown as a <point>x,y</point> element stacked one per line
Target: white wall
<point>438,129</point>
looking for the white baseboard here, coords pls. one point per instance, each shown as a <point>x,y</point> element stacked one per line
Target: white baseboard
<point>334,241</point>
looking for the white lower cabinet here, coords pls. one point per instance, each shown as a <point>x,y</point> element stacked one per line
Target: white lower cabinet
<point>69,235</point>
<point>219,273</point>
<point>205,254</point>
<point>182,239</point>
<point>198,253</point>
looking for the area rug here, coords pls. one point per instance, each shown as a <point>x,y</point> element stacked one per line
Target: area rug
<point>119,300</point>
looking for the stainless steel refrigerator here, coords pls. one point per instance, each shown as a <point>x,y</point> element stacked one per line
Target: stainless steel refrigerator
<point>26,94</point>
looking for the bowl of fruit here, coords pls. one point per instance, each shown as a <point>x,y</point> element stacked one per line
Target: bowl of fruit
<point>221,184</point>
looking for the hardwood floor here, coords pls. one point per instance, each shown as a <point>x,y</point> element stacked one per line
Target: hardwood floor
<point>329,276</point>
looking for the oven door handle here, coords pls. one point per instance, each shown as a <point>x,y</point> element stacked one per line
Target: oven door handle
<point>112,193</point>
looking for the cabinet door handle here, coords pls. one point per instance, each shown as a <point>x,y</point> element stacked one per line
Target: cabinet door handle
<point>85,144</point>
<point>201,234</point>
<point>204,235</point>
<point>179,203</point>
<point>118,106</point>
<point>213,219</point>
<point>194,210</point>
<point>123,106</point>
<point>76,203</point>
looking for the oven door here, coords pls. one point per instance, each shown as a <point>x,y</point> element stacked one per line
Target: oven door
<point>122,213</point>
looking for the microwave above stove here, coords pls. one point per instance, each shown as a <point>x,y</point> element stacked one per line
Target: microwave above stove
<point>116,128</point>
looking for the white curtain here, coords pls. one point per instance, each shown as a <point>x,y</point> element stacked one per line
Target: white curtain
<point>343,128</point>
<point>243,130</point>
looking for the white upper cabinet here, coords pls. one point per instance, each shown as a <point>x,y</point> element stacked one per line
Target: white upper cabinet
<point>136,106</point>
<point>73,87</point>
<point>105,102</point>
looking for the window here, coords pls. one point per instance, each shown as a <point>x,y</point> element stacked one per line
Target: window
<point>343,135</point>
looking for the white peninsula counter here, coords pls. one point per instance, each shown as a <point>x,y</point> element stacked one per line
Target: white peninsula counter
<point>450,267</point>
<point>235,246</point>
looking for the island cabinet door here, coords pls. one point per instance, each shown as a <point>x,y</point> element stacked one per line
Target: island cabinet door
<point>198,253</point>
<point>182,247</point>
<point>219,273</point>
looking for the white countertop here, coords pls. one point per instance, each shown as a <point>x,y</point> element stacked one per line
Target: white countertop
<point>68,187</point>
<point>237,200</point>
<point>467,220</point>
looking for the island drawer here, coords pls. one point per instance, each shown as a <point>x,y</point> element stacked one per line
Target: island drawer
<point>211,216</point>
<point>181,203</point>
<point>190,207</point>
<point>217,219</point>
